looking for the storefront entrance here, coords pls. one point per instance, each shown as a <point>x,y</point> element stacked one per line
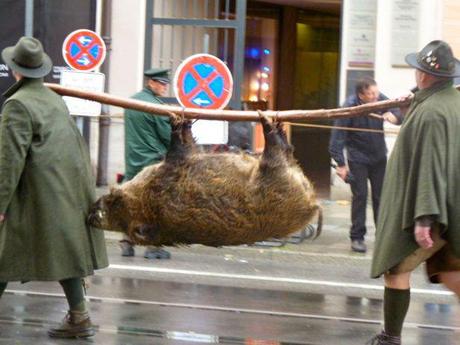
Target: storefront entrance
<point>292,62</point>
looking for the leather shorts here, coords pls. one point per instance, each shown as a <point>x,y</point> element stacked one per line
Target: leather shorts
<point>439,258</point>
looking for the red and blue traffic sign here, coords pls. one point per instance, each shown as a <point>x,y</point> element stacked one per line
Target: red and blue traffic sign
<point>83,50</point>
<point>203,81</point>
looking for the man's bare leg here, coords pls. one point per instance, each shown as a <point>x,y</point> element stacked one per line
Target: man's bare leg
<point>451,280</point>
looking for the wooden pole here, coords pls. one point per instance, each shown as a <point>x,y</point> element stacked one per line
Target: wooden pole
<point>229,115</point>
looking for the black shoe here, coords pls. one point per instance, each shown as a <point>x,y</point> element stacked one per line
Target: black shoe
<point>384,339</point>
<point>358,246</point>
<point>75,325</point>
<point>127,249</point>
<point>157,253</point>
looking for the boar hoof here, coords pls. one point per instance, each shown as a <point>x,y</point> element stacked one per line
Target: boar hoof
<point>176,121</point>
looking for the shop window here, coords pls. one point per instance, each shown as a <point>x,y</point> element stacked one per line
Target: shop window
<point>260,62</point>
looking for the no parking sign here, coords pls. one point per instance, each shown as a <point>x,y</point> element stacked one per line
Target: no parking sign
<point>84,50</point>
<point>203,81</point>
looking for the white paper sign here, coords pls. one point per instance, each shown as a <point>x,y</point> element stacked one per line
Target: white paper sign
<point>88,81</point>
<point>361,33</point>
<point>405,24</point>
<point>208,132</point>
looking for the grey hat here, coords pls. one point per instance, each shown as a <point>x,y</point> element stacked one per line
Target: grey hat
<point>28,58</point>
<point>435,58</point>
<point>159,74</point>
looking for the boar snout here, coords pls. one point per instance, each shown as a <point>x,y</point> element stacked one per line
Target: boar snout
<point>96,214</point>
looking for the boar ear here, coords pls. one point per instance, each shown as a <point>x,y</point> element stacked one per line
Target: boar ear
<point>116,192</point>
<point>115,197</point>
<point>113,189</point>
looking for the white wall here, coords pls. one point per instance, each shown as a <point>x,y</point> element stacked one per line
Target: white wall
<point>397,81</point>
<point>127,55</point>
<point>343,52</point>
<point>451,24</point>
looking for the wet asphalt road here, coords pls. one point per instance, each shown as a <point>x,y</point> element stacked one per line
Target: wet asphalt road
<point>253,301</point>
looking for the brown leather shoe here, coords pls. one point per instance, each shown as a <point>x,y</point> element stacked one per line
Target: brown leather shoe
<point>384,339</point>
<point>76,324</point>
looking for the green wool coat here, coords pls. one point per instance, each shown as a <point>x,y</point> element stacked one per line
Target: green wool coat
<point>46,190</point>
<point>147,137</point>
<point>422,177</point>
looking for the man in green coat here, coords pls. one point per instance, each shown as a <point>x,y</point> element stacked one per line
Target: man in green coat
<point>419,220</point>
<point>147,139</point>
<point>46,190</point>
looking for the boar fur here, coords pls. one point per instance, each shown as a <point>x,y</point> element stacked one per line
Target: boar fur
<point>211,199</point>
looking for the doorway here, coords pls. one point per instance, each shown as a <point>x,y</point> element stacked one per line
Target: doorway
<point>316,81</point>
<point>303,65</point>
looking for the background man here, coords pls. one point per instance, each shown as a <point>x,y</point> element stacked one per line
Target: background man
<point>419,219</point>
<point>147,139</point>
<point>366,157</point>
<point>46,189</point>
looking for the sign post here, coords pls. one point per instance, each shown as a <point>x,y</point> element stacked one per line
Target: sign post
<point>84,51</point>
<point>204,81</point>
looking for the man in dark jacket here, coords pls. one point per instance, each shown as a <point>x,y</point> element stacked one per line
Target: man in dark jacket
<point>366,157</point>
<point>419,219</point>
<point>46,190</point>
<point>147,139</point>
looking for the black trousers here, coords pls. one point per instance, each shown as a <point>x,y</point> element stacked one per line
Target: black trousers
<point>360,174</point>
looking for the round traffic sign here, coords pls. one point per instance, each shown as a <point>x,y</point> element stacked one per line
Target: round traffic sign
<point>83,50</point>
<point>203,81</point>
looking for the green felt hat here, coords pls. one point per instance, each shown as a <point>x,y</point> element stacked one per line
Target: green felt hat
<point>28,58</point>
<point>435,58</point>
<point>159,74</point>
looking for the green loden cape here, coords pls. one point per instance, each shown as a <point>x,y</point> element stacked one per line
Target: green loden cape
<point>46,190</point>
<point>147,137</point>
<point>422,177</point>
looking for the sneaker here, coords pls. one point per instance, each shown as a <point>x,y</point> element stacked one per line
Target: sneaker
<point>358,246</point>
<point>127,249</point>
<point>76,324</point>
<point>384,339</point>
<point>156,253</point>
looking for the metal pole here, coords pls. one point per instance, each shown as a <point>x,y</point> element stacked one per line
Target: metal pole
<point>148,35</point>
<point>238,52</point>
<point>104,122</point>
<point>29,22</point>
<point>86,131</point>
<point>206,43</point>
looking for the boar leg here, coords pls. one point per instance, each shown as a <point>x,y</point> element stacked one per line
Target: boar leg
<point>273,141</point>
<point>143,233</point>
<point>288,148</point>
<point>187,136</point>
<point>177,150</point>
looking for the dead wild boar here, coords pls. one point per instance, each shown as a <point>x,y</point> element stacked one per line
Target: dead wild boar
<point>211,199</point>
